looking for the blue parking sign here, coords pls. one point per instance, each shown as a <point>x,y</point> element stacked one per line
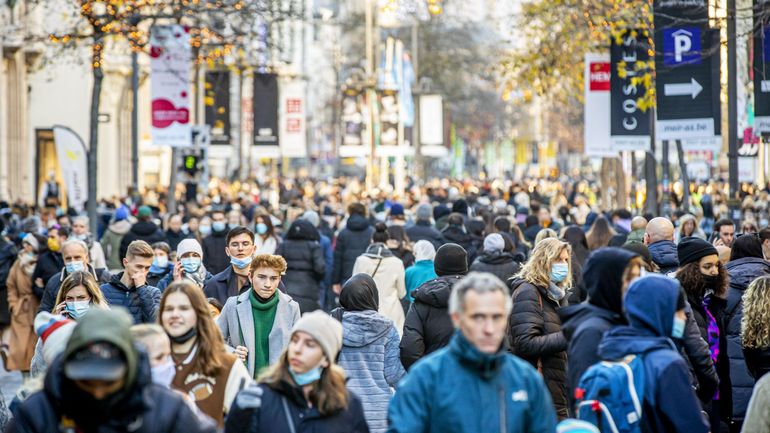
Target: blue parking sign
<point>682,46</point>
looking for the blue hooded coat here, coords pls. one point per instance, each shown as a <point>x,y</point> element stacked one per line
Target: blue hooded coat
<point>670,403</point>
<point>664,255</point>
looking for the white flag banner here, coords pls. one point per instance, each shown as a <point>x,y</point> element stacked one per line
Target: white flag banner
<point>170,86</point>
<point>597,106</point>
<point>71,152</point>
<point>292,136</point>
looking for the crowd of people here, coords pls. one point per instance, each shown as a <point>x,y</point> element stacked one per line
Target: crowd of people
<point>467,307</point>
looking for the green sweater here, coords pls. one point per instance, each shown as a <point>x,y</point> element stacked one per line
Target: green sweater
<point>264,315</point>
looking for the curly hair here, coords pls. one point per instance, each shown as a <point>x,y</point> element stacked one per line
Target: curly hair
<point>537,270</point>
<point>274,262</point>
<point>755,324</point>
<point>695,285</point>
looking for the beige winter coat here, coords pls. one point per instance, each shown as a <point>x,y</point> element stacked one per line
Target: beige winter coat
<point>23,304</point>
<point>389,276</point>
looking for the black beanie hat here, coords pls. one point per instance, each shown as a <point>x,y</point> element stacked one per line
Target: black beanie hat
<point>692,249</point>
<point>451,259</point>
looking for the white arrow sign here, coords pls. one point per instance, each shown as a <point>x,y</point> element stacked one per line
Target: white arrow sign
<point>692,88</point>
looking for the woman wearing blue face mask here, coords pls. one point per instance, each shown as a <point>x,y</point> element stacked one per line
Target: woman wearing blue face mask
<point>161,263</point>
<point>539,291</point>
<point>265,239</point>
<point>79,292</point>
<point>304,390</point>
<point>189,266</point>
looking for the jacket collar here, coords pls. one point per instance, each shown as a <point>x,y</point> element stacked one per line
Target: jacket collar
<point>484,364</point>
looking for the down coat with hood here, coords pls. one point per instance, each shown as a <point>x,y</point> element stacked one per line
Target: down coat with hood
<point>351,242</point>
<point>664,255</point>
<point>305,264</point>
<point>585,324</point>
<point>534,334</point>
<point>499,263</point>
<point>370,357</point>
<point>140,404</point>
<point>742,272</point>
<point>670,403</point>
<point>428,326</point>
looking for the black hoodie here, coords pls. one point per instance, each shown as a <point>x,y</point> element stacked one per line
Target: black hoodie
<point>583,325</point>
<point>141,231</point>
<point>352,241</point>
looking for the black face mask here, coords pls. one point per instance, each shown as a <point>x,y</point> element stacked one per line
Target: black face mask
<point>712,280</point>
<point>184,338</point>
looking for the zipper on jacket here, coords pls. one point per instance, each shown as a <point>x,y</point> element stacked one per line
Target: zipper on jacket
<point>501,403</point>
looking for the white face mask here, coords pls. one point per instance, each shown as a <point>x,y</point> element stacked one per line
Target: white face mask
<point>164,374</point>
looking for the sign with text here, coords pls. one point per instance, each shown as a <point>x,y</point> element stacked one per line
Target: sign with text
<point>630,126</point>
<point>216,104</point>
<point>597,106</point>
<point>170,85</point>
<point>292,119</point>
<point>687,71</point>
<point>265,110</point>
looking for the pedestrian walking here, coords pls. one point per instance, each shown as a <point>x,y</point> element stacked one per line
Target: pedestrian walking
<point>161,263</point>
<point>23,306</point>
<point>757,415</point>
<point>755,329</point>
<point>422,270</point>
<point>113,236</point>
<point>234,279</point>
<point>659,238</point>
<point>216,238</point>
<point>495,260</point>
<point>423,228</point>
<point>306,266</point>
<point>80,230</point>
<point>473,385</point>
<point>352,241</point>
<point>265,239</point>
<point>129,289</point>
<point>189,266</point>
<point>143,230</point>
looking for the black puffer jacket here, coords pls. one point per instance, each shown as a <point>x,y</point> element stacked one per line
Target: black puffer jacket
<point>214,257</point>
<point>48,264</point>
<point>306,265</point>
<point>459,236</point>
<point>534,334</point>
<point>424,231</point>
<point>742,272</point>
<point>428,326</point>
<point>352,241</point>
<point>757,361</point>
<point>498,263</point>
<point>141,231</point>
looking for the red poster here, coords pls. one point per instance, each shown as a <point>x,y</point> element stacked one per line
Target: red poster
<point>600,77</point>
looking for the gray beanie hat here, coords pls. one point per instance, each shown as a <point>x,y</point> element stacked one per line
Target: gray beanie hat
<point>312,217</point>
<point>494,242</point>
<point>424,212</point>
<point>324,329</point>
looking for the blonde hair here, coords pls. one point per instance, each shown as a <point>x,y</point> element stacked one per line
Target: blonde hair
<point>545,234</point>
<point>537,270</point>
<point>85,279</point>
<point>755,324</point>
<point>139,249</point>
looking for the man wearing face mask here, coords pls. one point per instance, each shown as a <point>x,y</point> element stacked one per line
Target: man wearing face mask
<point>216,242</point>
<point>50,262</point>
<point>234,279</point>
<point>76,258</point>
<point>103,383</point>
<point>95,251</point>
<point>188,266</point>
<point>655,309</point>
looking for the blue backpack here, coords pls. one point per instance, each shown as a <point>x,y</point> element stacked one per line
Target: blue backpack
<point>610,395</point>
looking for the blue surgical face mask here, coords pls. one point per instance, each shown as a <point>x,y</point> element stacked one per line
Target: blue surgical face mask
<point>261,228</point>
<point>160,261</point>
<point>306,378</point>
<point>75,266</point>
<point>218,226</point>
<point>205,230</point>
<point>191,264</point>
<point>77,309</point>
<point>677,331</point>
<point>164,374</point>
<point>559,272</point>
<point>240,263</point>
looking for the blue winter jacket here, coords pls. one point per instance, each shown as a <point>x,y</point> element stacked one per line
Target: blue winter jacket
<point>420,272</point>
<point>142,302</point>
<point>664,255</point>
<point>670,402</point>
<point>370,357</point>
<point>460,389</point>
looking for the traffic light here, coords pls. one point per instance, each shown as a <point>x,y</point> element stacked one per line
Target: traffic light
<point>191,164</point>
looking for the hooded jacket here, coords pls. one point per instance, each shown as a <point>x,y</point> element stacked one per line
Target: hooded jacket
<point>352,241</point>
<point>142,302</point>
<point>140,404</point>
<point>498,263</point>
<point>585,324</point>
<point>370,357</point>
<point>664,255</point>
<point>48,264</point>
<point>534,334</point>
<point>460,389</point>
<point>141,231</point>
<point>306,266</point>
<point>428,326</point>
<point>742,272</point>
<point>214,257</point>
<point>387,270</point>
<point>670,403</point>
<point>111,243</point>
<point>423,230</point>
<point>459,235</point>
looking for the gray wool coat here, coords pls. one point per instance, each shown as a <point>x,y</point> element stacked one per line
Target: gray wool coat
<point>236,320</point>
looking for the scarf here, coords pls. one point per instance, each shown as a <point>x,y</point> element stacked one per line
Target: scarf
<point>263,312</point>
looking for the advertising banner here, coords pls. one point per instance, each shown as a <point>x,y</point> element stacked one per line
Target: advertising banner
<point>73,163</point>
<point>292,119</point>
<point>629,57</point>
<point>597,106</point>
<point>170,85</point>
<point>216,104</point>
<point>265,110</point>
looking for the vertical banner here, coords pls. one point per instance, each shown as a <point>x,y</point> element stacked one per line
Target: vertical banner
<point>71,152</point>
<point>629,57</point>
<point>597,106</point>
<point>761,67</point>
<point>292,119</point>
<point>170,85</point>
<point>389,118</point>
<point>432,126</point>
<point>266,115</point>
<point>353,125</point>
<point>216,104</point>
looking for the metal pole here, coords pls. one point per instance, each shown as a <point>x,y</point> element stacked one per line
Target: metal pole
<point>732,100</point>
<point>419,169</point>
<point>135,120</point>
<point>369,40</point>
<point>650,172</point>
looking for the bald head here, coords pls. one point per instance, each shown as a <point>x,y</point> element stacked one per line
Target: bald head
<point>658,229</point>
<point>639,223</point>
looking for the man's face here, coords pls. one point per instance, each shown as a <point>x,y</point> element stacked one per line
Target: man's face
<point>158,349</point>
<point>79,228</point>
<point>100,389</point>
<point>727,234</point>
<point>137,265</point>
<point>74,253</point>
<point>483,320</point>
<point>264,281</point>
<point>240,246</point>
<point>218,217</point>
<point>175,223</point>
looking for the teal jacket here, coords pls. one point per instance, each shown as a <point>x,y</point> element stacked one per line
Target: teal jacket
<point>417,274</point>
<point>460,389</point>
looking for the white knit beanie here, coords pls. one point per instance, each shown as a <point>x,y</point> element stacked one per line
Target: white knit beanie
<point>424,250</point>
<point>324,329</point>
<point>187,246</point>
